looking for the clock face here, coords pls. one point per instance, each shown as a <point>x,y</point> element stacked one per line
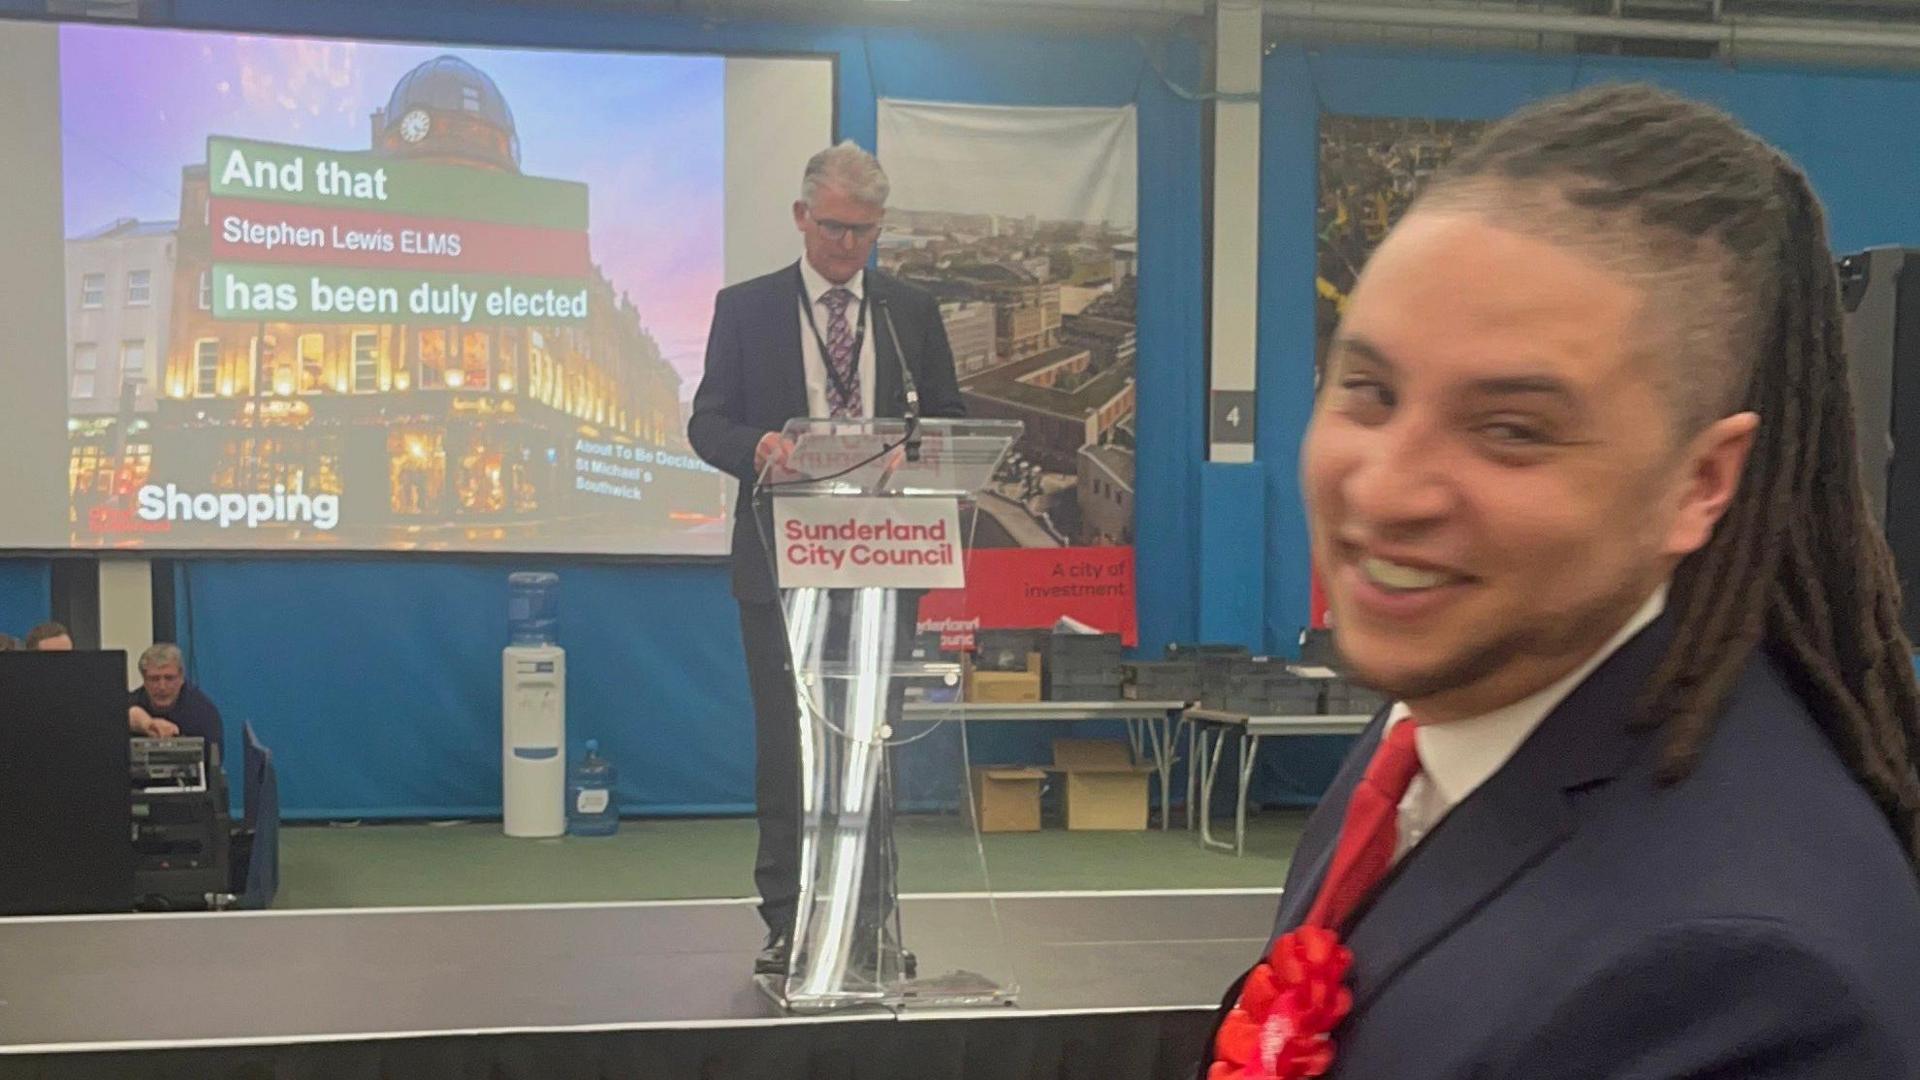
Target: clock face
<point>414,125</point>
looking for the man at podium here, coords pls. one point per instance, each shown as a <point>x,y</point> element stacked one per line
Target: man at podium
<point>824,337</point>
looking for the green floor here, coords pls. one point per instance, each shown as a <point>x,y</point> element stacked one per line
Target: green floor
<point>330,866</point>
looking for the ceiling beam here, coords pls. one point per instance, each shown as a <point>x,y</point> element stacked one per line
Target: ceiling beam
<point>1730,34</point>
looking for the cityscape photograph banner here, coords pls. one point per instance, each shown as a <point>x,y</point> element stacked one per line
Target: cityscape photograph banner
<point>1022,223</point>
<point>1371,167</point>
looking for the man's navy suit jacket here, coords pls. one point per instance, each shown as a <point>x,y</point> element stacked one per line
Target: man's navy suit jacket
<point>1574,918</point>
<point>756,381</point>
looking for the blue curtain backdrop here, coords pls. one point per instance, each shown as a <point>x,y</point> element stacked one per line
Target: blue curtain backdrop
<point>1856,134</point>
<point>377,681</point>
<point>26,594</point>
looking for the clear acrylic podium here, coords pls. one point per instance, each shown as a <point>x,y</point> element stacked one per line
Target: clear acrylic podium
<point>860,519</point>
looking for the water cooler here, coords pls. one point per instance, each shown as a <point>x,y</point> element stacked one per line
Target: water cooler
<point>533,687</point>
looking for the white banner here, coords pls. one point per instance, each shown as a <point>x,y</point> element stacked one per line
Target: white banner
<point>856,542</point>
<point>1056,163</point>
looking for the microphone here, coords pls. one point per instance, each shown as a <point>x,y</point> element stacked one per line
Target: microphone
<point>912,438</point>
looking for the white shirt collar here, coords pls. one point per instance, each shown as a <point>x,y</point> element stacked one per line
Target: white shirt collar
<point>1458,756</point>
<point>817,283</point>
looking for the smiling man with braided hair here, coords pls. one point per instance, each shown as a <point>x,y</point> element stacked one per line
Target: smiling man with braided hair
<point>1582,479</point>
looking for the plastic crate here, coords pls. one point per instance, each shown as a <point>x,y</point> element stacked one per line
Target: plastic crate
<point>1216,674</point>
<point>1242,679</point>
<point>1006,650</point>
<point>1090,647</point>
<point>1345,699</point>
<point>1084,689</point>
<point>1201,650</point>
<point>1082,667</point>
<point>1295,701</point>
<point>1316,648</point>
<point>1160,680</point>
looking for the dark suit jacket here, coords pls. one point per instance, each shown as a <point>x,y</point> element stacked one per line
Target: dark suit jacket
<point>756,381</point>
<point>1572,919</point>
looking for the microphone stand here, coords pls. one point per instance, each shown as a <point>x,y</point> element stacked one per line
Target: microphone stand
<point>912,438</point>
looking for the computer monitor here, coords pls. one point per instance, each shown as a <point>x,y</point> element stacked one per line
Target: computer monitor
<point>64,845</point>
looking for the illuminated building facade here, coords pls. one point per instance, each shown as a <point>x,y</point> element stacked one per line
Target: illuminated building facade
<point>120,278</point>
<point>473,424</point>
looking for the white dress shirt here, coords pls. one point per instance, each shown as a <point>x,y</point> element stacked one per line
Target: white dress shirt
<point>815,364</point>
<point>1458,756</point>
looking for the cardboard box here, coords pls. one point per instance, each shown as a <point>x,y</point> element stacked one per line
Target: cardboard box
<point>1006,798</point>
<point>1105,788</point>
<point>1005,686</point>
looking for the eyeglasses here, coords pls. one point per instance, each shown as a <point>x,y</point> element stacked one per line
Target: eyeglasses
<point>838,231</point>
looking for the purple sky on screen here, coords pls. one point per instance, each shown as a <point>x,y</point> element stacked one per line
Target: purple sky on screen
<point>644,132</point>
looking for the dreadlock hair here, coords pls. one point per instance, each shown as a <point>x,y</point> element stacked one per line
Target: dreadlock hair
<point>1730,241</point>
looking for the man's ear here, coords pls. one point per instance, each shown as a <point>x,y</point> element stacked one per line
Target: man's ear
<point>1716,460</point>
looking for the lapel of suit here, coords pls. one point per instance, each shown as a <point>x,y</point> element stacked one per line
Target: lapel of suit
<point>783,351</point>
<point>1508,824</point>
<point>888,397</point>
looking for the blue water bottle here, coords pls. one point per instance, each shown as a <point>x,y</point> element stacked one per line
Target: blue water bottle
<point>591,810</point>
<point>533,608</point>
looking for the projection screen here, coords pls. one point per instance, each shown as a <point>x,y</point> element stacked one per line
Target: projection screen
<point>279,293</point>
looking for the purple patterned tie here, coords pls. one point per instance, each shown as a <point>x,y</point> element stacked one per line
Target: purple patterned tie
<point>843,387</point>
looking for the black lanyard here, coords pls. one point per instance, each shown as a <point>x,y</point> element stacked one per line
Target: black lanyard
<point>845,384</point>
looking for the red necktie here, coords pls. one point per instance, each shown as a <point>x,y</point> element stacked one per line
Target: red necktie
<point>1370,831</point>
<point>1289,1003</point>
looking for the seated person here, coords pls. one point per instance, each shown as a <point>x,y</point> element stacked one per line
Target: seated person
<point>49,637</point>
<point>166,704</point>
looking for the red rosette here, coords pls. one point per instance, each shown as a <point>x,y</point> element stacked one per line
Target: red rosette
<point>1290,1003</point>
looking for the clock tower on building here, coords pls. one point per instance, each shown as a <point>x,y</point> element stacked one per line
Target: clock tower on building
<point>447,110</point>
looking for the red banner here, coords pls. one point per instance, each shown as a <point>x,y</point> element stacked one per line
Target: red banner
<point>245,230</point>
<point>1032,588</point>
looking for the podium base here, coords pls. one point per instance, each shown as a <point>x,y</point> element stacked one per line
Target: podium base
<point>955,989</point>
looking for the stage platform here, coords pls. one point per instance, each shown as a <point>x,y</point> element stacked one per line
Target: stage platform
<point>1114,985</point>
